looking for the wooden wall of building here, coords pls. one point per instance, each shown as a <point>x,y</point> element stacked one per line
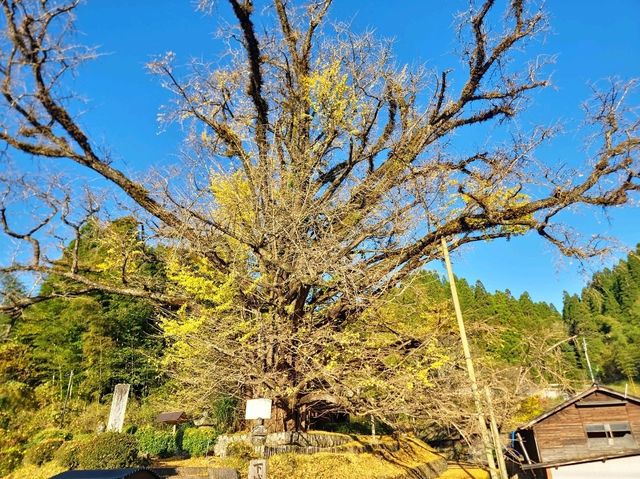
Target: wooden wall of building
<point>562,436</point>
<point>633,410</point>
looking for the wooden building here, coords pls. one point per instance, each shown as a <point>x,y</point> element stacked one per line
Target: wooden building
<point>594,434</point>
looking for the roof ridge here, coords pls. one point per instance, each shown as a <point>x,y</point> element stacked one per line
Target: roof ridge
<point>594,388</point>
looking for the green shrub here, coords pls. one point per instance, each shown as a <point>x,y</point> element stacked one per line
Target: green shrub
<point>357,425</point>
<point>89,418</point>
<point>52,433</point>
<point>42,452</point>
<point>198,441</point>
<point>109,450</point>
<point>68,455</point>
<point>144,412</point>
<point>224,413</point>
<point>155,442</point>
<point>10,459</point>
<point>242,450</point>
<point>11,450</point>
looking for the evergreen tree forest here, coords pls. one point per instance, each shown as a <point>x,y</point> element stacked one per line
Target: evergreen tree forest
<point>60,358</point>
<point>607,315</point>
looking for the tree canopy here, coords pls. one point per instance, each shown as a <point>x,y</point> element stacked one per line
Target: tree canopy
<point>318,176</point>
<point>106,339</point>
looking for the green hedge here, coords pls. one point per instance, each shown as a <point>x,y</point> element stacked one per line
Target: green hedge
<point>51,433</point>
<point>69,454</point>
<point>199,441</point>
<point>156,442</point>
<point>42,452</point>
<point>109,450</point>
<point>242,450</point>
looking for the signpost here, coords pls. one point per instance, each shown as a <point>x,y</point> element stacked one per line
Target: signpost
<point>258,409</point>
<point>258,469</point>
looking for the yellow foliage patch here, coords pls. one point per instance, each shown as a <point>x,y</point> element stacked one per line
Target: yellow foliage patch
<point>233,198</point>
<point>330,96</point>
<point>460,471</point>
<point>383,463</point>
<point>43,471</point>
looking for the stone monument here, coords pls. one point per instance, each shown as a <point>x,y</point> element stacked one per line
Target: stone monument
<point>118,407</point>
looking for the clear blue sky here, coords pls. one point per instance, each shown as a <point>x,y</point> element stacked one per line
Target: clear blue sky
<point>593,40</point>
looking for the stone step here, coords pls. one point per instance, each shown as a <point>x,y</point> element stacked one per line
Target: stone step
<point>196,473</point>
<point>182,472</point>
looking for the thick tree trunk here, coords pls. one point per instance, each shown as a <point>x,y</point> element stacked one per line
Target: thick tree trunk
<point>284,418</point>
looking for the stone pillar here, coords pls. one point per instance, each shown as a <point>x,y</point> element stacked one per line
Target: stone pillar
<point>118,407</point>
<point>258,469</point>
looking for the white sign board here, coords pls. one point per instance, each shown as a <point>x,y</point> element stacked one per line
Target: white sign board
<point>118,407</point>
<point>258,409</point>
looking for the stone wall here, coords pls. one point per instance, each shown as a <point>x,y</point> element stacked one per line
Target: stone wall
<point>405,452</point>
<point>223,441</point>
<point>298,442</point>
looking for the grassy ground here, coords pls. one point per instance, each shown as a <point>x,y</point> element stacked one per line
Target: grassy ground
<point>36,472</point>
<point>234,462</point>
<point>326,465</point>
<point>462,471</point>
<point>383,463</point>
<point>333,466</point>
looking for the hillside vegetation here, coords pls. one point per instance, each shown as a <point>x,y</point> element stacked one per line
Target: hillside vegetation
<point>59,359</point>
<point>607,315</point>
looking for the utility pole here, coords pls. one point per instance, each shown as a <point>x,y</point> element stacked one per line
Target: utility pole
<point>486,442</point>
<point>495,434</point>
<point>66,399</point>
<point>586,355</point>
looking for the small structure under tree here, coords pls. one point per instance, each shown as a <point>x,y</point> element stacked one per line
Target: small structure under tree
<point>174,418</point>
